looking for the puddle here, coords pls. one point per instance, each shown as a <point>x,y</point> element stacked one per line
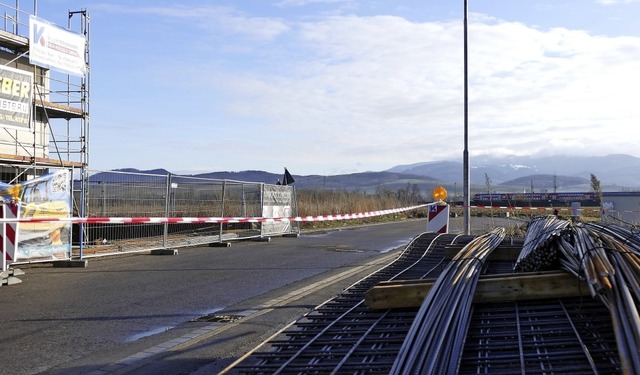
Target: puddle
<point>397,244</point>
<point>157,330</point>
<point>152,332</point>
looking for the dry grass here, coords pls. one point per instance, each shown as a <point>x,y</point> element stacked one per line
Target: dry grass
<point>323,202</point>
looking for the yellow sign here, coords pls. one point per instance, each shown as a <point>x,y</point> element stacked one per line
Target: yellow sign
<point>439,193</point>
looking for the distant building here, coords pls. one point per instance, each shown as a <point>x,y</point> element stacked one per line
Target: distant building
<point>622,207</point>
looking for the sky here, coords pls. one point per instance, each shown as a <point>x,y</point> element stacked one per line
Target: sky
<point>343,86</point>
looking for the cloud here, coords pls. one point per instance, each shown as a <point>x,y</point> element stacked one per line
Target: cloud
<point>218,18</point>
<point>373,92</point>
<point>613,2</point>
<point>299,3</point>
<point>371,85</point>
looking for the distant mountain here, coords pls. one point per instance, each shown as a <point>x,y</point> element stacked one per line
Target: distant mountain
<point>365,181</point>
<point>564,173</point>
<point>542,182</point>
<point>253,176</point>
<point>129,175</point>
<point>614,171</point>
<point>442,170</point>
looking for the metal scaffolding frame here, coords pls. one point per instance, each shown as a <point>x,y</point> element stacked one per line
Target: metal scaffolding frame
<point>60,117</point>
<point>59,123</point>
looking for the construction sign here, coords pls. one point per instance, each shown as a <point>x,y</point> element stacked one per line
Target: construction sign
<point>438,218</point>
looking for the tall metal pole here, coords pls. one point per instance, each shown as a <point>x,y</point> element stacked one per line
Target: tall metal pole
<point>466,177</point>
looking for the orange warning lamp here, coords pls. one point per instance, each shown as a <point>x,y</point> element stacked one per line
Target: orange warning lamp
<point>439,193</point>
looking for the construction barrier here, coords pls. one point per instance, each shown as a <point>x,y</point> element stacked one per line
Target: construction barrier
<point>438,218</point>
<point>8,232</point>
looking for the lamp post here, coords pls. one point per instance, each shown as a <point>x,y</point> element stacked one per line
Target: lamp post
<point>465,155</point>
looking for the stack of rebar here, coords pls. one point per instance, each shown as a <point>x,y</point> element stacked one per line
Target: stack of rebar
<point>539,252</point>
<point>608,259</point>
<point>435,340</point>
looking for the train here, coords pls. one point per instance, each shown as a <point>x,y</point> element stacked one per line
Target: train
<point>535,199</point>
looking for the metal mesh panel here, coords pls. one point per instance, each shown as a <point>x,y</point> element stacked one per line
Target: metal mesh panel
<point>197,197</point>
<point>122,194</point>
<point>128,194</point>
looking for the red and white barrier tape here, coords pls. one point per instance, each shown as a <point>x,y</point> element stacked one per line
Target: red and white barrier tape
<point>527,208</point>
<point>516,208</point>
<point>177,220</point>
<point>255,219</point>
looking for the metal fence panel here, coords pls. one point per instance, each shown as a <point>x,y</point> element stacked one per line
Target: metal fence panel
<point>122,194</point>
<point>129,194</point>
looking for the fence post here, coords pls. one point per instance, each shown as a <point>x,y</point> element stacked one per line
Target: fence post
<point>261,209</point>
<point>244,203</point>
<point>103,188</point>
<point>224,189</point>
<point>82,211</point>
<point>295,211</point>
<point>167,203</point>
<point>4,240</point>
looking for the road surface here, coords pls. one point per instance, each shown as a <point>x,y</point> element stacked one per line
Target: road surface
<point>191,313</point>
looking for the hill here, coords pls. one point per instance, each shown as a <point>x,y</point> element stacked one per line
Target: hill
<point>366,181</point>
<point>564,173</point>
<point>616,172</point>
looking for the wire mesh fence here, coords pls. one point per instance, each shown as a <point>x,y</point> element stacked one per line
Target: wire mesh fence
<point>134,194</point>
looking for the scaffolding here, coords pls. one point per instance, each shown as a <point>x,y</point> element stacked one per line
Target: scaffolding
<point>58,136</point>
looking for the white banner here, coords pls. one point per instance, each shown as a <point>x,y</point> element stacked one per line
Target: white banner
<point>277,201</point>
<point>53,47</point>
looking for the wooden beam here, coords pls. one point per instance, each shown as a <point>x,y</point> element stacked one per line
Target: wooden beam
<point>42,162</point>
<point>490,288</point>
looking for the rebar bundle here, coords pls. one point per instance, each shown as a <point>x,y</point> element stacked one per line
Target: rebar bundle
<point>607,258</point>
<point>538,252</point>
<point>435,340</point>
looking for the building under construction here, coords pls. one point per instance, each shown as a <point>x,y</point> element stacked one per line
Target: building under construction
<point>45,123</point>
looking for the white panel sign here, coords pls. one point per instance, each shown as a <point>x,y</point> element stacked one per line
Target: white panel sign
<point>53,47</point>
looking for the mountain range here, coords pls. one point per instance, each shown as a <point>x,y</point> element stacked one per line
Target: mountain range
<point>557,173</point>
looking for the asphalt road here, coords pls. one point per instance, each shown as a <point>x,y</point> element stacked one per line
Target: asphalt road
<point>88,320</point>
<point>133,314</point>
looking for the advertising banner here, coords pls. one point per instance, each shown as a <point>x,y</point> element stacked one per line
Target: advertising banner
<point>53,47</point>
<point>42,197</point>
<point>15,98</point>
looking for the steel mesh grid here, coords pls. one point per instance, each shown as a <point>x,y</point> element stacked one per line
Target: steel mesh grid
<point>364,342</point>
<point>339,333</point>
<point>572,335</point>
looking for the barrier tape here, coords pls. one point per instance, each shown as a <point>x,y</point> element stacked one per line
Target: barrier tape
<point>523,208</point>
<point>545,208</point>
<point>199,220</point>
<point>255,219</point>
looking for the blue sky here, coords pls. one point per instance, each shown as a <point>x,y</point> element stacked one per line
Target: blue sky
<point>341,86</point>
